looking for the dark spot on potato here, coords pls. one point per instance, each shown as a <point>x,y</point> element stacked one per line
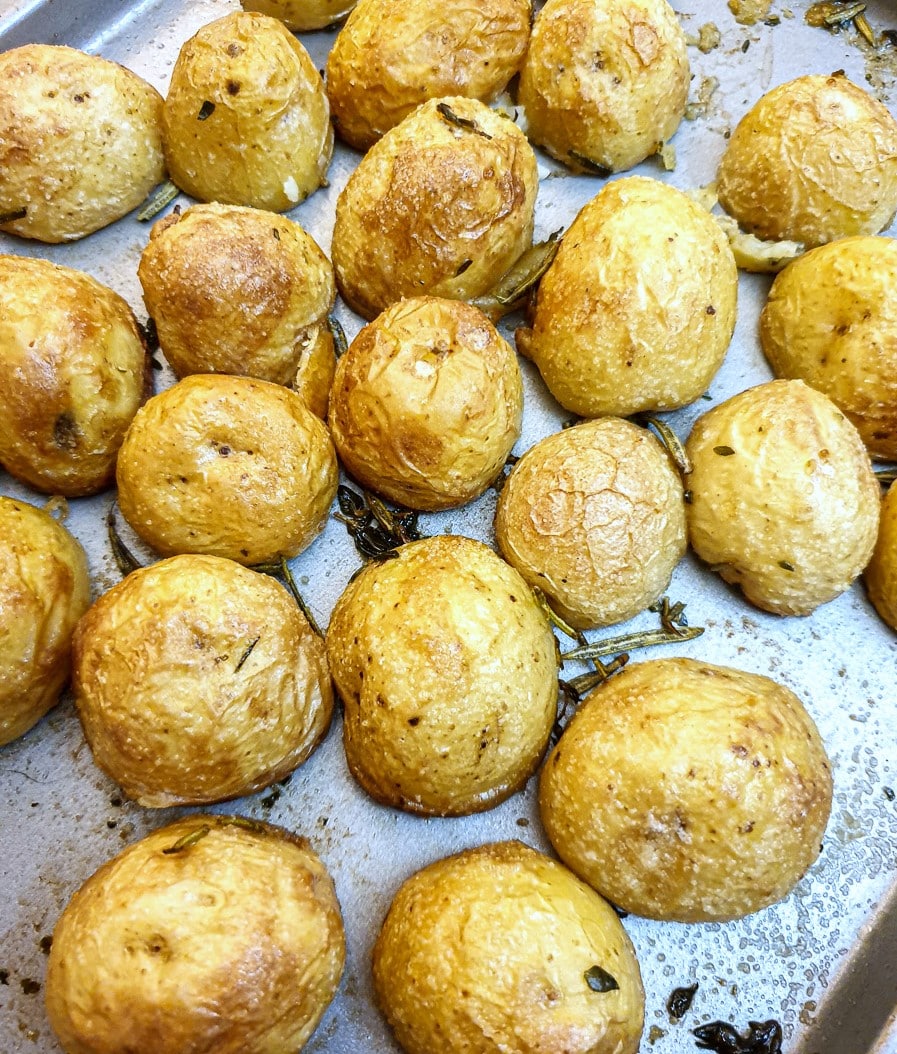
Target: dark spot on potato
<point>66,432</point>
<point>711,310</point>
<point>414,721</point>
<point>233,88</point>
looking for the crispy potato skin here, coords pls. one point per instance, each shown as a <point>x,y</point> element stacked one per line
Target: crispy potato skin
<point>488,950</point>
<point>80,141</point>
<point>791,514</point>
<point>232,944</point>
<point>813,160</point>
<point>434,208</point>
<point>75,371</point>
<point>299,16</point>
<point>688,792</point>
<point>393,55</point>
<point>198,680</point>
<point>637,310</point>
<point>831,321</point>
<point>881,574</point>
<point>427,403</point>
<point>228,466</point>
<point>44,590</point>
<point>604,82</point>
<point>447,670</point>
<point>594,517</point>
<point>268,141</point>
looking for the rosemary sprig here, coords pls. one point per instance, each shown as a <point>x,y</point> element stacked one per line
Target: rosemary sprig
<point>668,440</point>
<point>189,839</point>
<point>376,530</point>
<point>448,114</point>
<point>516,284</point>
<point>340,344</point>
<point>124,558</point>
<point>629,641</point>
<point>158,199</point>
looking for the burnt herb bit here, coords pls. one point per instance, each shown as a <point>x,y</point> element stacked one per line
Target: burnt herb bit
<point>599,980</point>
<point>885,474</point>
<point>723,451</point>
<point>448,114</point>
<point>340,344</point>
<point>205,111</point>
<point>785,565</point>
<point>124,558</point>
<point>189,839</point>
<point>762,1037</point>
<point>376,530</point>
<point>589,165</point>
<point>13,215</point>
<point>246,655</point>
<point>680,1001</point>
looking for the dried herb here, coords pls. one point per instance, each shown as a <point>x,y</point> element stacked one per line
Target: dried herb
<point>628,641</point>
<point>555,619</point>
<point>340,344</point>
<point>599,980</point>
<point>463,267</point>
<point>158,199</point>
<point>889,793</point>
<point>448,114</point>
<point>723,451</point>
<point>124,558</point>
<point>785,566</point>
<point>886,474</point>
<point>205,111</point>
<point>46,943</point>
<point>516,284</point>
<point>864,29</point>
<point>189,839</point>
<point>680,1001</point>
<point>585,682</point>
<point>589,165</point>
<point>15,214</point>
<point>246,655</point>
<point>889,36</point>
<point>376,530</point>
<point>762,1038</point>
<point>297,596</point>
<point>668,440</point>
<point>150,335</point>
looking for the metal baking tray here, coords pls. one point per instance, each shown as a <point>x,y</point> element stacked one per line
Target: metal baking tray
<point>824,961</point>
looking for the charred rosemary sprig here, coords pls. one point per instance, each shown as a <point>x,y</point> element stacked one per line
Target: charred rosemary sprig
<point>340,344</point>
<point>629,641</point>
<point>376,530</point>
<point>124,558</point>
<point>448,114</point>
<point>13,215</point>
<point>281,569</point>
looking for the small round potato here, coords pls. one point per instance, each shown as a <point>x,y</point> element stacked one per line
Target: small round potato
<point>814,159</point>
<point>502,949</point>
<point>246,120</point>
<point>442,204</point>
<point>198,680</point>
<point>688,792</point>
<point>427,403</point>
<point>637,310</point>
<point>784,502</point>
<point>447,669</point>
<point>881,573</point>
<point>215,933</point>
<point>227,466</point>
<point>594,516</point>
<point>831,320</point>
<point>300,16</point>
<point>75,371</point>
<point>44,590</point>
<point>393,55</point>
<point>604,85</point>
<point>80,142</point>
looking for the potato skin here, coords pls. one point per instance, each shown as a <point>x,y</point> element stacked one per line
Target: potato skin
<point>784,503</point>
<point>268,141</point>
<point>813,160</point>
<point>299,16</point>
<point>228,466</point>
<point>688,792</point>
<point>604,82</point>
<point>429,198</point>
<point>448,674</point>
<point>80,141</point>
<point>393,55</point>
<point>75,371</point>
<point>233,943</point>
<point>594,517</point>
<point>881,573</point>
<point>831,321</point>
<point>488,950</point>
<point>427,403</point>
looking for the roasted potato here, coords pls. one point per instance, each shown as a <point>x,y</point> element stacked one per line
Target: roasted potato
<point>688,792</point>
<point>881,573</point>
<point>215,933</point>
<point>783,502</point>
<point>301,15</point>
<point>502,949</point>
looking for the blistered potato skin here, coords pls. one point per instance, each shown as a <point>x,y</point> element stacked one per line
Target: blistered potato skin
<point>44,590</point>
<point>447,671</point>
<point>427,403</point>
<point>434,208</point>
<point>791,514</point>
<point>300,16</point>
<point>80,141</point>
<point>268,141</point>
<point>688,792</point>
<point>831,321</point>
<point>637,310</point>
<point>488,950</point>
<point>75,371</point>
<point>605,82</point>
<point>594,516</point>
<point>814,159</point>
<point>232,944</point>
<point>393,55</point>
<point>881,573</point>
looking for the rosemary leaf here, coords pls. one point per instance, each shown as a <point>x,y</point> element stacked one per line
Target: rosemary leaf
<point>157,200</point>
<point>630,641</point>
<point>124,558</point>
<point>189,839</point>
<point>599,980</point>
<point>448,114</point>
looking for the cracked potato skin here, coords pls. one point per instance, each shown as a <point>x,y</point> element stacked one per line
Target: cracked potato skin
<point>487,951</point>
<point>881,573</point>
<point>233,943</point>
<point>784,503</point>
<point>688,792</point>
<point>300,16</point>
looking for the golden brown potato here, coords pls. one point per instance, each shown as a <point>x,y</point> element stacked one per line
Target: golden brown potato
<point>44,590</point>
<point>831,320</point>
<point>80,142</point>
<point>442,204</point>
<point>813,160</point>
<point>227,466</point>
<point>881,573</point>
<point>783,501</point>
<point>604,85</point>
<point>215,933</point>
<point>301,15</point>
<point>447,669</point>
<point>75,371</point>
<point>502,949</point>
<point>246,120</point>
<point>637,310</point>
<point>688,792</point>
<point>314,374</point>
<point>427,403</point>
<point>594,517</point>
<point>393,55</point>
<point>198,680</point>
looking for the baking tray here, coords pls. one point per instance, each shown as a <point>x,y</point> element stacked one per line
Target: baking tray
<point>823,962</point>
